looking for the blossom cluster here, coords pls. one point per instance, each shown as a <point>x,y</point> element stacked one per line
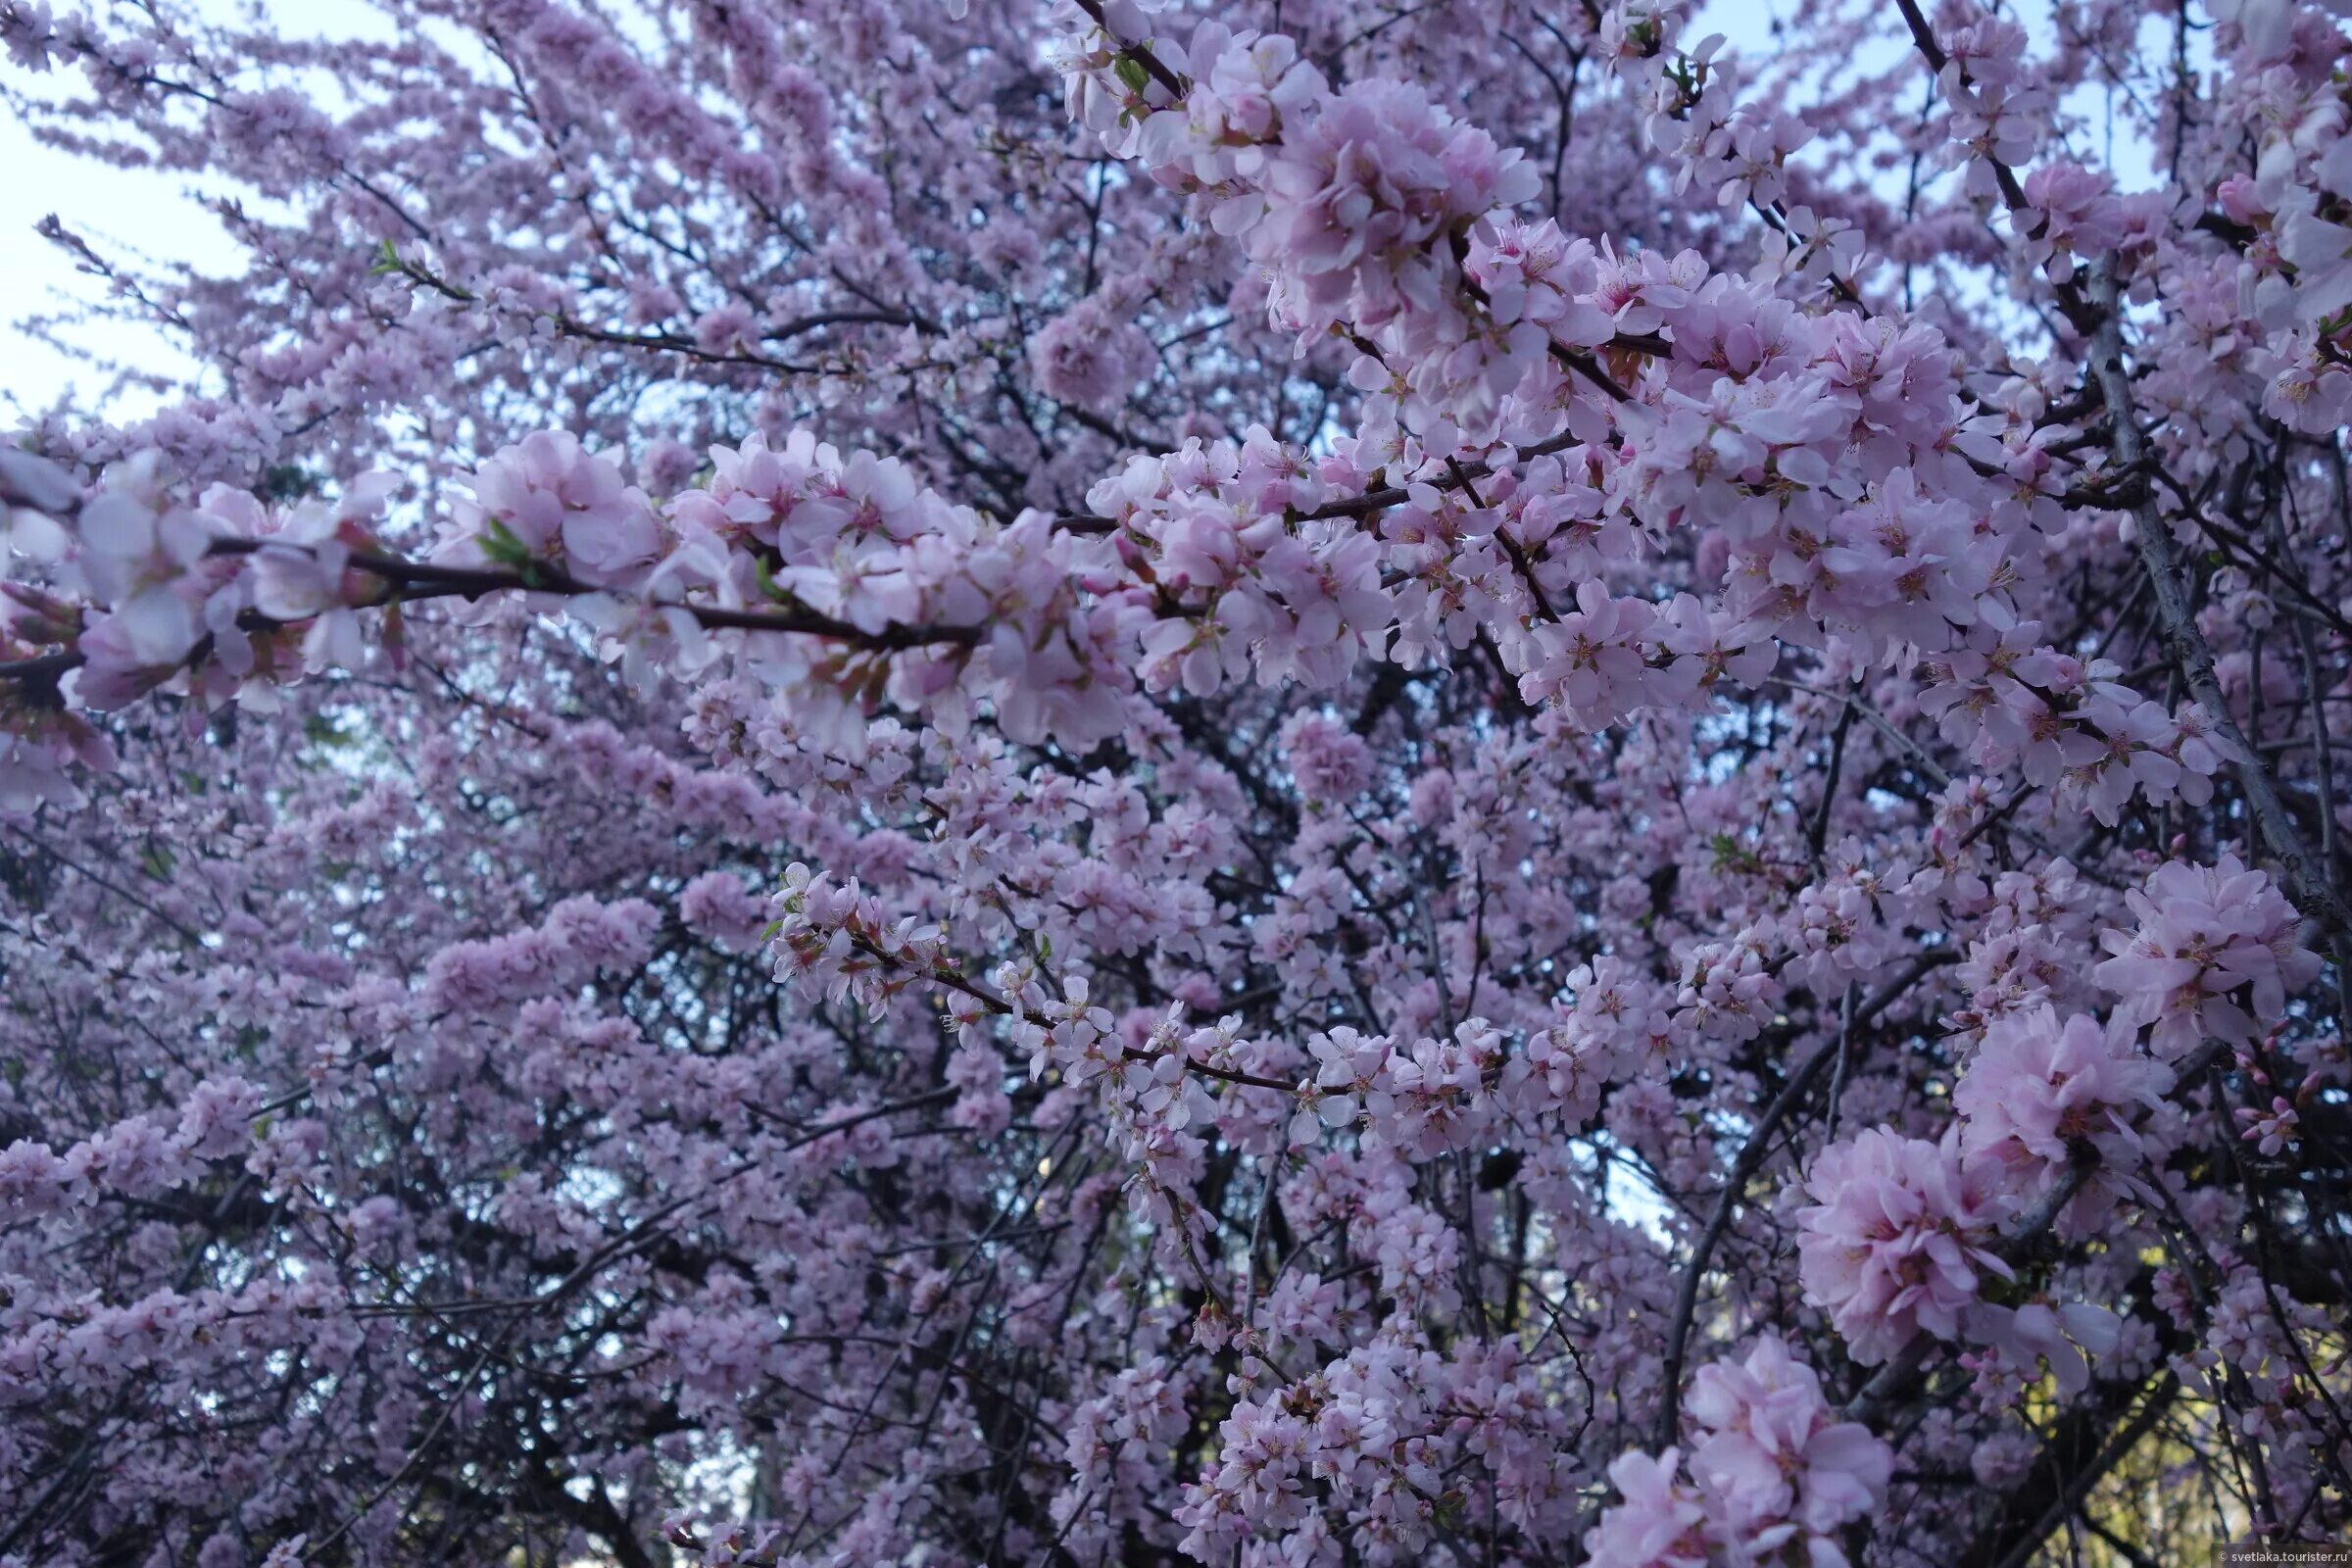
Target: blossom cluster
<point>1772,1472</point>
<point>827,809</point>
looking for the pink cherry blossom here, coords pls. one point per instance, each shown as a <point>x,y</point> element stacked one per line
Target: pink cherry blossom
<point>1063,783</point>
<point>2039,1087</point>
<point>2215,954</point>
<point>1897,1241</point>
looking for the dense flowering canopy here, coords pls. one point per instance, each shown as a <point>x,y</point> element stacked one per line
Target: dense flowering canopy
<point>1313,783</point>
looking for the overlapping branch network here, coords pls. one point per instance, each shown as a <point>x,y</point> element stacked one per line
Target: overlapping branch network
<point>1610,492</point>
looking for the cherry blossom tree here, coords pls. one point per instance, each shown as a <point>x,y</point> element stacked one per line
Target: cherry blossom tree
<point>1313,782</point>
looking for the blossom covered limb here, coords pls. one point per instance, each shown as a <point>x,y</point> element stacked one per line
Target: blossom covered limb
<point>1061,782</point>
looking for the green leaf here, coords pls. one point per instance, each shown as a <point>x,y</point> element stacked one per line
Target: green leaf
<point>1729,851</point>
<point>498,542</point>
<point>767,583</point>
<point>1131,71</point>
<point>387,259</point>
<point>287,482</point>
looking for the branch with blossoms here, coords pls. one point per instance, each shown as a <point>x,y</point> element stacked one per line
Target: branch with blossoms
<point>410,582</point>
<point>1877,1196</point>
<point>1516,302</point>
<point>837,939</point>
<point>1629,904</point>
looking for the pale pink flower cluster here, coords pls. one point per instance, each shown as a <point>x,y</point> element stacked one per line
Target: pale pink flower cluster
<point>1533,273</point>
<point>1113,1452</point>
<point>840,942</point>
<point>2251,1341</point>
<point>1610,657</point>
<point>1727,989</point>
<point>1848,921</point>
<point>2309,389</point>
<point>2022,958</point>
<point>579,937</point>
<point>1998,111</point>
<point>722,906</point>
<point>1772,1477</point>
<point>2040,1092</point>
<point>1897,1240</point>
<point>2071,214</point>
<point>1738,151</point>
<point>1091,356</point>
<point>1614,1014</point>
<point>1341,194</point>
<point>169,593</point>
<point>719,1354</point>
<point>1902,1232</point>
<point>1330,762</point>
<point>168,587</point>
<point>2216,955</point>
<point>2069,724</point>
<point>1351,200</point>
<point>1380,1430</point>
<point>149,1338</point>
<point>1288,602</point>
<point>1424,1098</point>
<point>141,556</point>
<point>550,499</point>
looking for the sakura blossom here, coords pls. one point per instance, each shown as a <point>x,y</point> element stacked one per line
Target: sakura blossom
<point>1897,1241</point>
<point>1062,782</point>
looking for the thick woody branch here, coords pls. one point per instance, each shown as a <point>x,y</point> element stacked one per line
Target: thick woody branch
<point>2311,881</point>
<point>1894,1380</point>
<point>1750,1159</point>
